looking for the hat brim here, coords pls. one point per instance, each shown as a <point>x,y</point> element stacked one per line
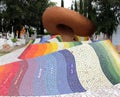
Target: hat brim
<point>54,16</point>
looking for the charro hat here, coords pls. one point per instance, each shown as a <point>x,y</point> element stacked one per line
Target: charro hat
<point>54,17</point>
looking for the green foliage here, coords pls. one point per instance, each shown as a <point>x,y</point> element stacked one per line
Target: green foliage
<point>107,20</point>
<point>25,12</point>
<point>105,14</point>
<point>14,40</point>
<point>31,31</point>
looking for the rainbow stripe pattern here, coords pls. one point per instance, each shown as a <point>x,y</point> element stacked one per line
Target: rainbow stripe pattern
<point>58,38</point>
<point>49,44</point>
<point>35,50</point>
<point>72,70</point>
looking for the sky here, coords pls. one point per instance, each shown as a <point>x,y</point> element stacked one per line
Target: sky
<point>67,3</point>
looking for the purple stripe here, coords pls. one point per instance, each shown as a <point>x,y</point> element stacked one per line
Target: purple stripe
<point>72,77</point>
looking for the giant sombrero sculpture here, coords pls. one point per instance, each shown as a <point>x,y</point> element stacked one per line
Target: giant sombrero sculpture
<point>69,71</point>
<point>59,20</point>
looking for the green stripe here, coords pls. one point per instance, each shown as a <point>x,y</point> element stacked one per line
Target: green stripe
<point>112,58</point>
<point>77,43</point>
<point>59,38</point>
<point>106,62</point>
<point>71,44</point>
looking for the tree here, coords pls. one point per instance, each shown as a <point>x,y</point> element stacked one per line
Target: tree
<point>34,11</point>
<point>14,15</point>
<point>81,6</point>
<point>44,5</point>
<point>104,13</point>
<point>25,12</point>
<point>62,3</point>
<point>72,6</point>
<point>107,17</point>
<point>76,7</point>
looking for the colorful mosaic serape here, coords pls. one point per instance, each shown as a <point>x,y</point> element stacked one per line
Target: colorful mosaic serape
<point>73,70</point>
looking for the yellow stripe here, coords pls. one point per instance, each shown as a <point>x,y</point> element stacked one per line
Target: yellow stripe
<point>54,46</point>
<point>66,45</point>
